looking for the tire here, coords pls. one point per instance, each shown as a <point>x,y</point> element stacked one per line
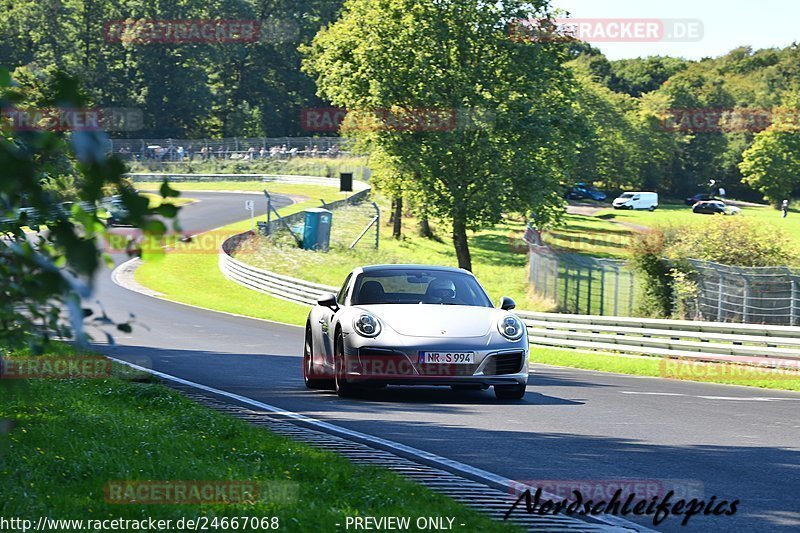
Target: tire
<point>652,208</point>
<point>310,377</point>
<point>509,392</point>
<point>343,388</point>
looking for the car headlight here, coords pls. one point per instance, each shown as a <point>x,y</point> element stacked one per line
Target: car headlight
<point>367,325</point>
<point>511,327</point>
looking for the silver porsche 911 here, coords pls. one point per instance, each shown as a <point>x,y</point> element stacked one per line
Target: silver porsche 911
<point>414,325</point>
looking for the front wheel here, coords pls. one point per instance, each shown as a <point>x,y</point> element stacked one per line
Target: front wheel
<point>310,377</point>
<point>343,388</point>
<point>510,392</point>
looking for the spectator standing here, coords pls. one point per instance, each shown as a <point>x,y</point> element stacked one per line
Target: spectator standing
<point>785,208</point>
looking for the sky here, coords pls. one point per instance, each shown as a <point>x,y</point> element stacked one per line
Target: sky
<point>725,24</point>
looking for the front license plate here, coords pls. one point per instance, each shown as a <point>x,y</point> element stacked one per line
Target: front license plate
<point>447,358</point>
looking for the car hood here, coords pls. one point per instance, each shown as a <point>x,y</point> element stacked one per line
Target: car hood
<point>424,320</point>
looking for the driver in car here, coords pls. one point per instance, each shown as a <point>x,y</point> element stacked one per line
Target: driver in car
<point>443,290</point>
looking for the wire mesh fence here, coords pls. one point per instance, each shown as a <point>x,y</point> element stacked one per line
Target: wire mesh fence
<point>581,284</point>
<point>757,295</point>
<point>234,148</point>
<point>354,223</point>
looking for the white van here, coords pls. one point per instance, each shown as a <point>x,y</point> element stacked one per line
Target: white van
<point>637,200</point>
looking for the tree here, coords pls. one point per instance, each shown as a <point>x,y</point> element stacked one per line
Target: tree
<point>509,137</point>
<point>772,164</point>
<point>44,273</point>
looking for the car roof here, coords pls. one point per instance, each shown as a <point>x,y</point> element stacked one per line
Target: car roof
<point>375,268</point>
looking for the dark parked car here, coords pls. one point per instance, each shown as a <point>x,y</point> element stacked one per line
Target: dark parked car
<point>698,198</point>
<point>714,207</point>
<point>584,191</point>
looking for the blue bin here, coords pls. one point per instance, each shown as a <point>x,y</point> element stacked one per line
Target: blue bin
<point>317,230</point>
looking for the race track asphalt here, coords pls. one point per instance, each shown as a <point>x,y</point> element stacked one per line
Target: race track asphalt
<point>574,426</point>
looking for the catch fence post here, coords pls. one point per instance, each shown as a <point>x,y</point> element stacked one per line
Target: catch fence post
<point>589,291</point>
<point>602,290</point>
<point>745,300</point>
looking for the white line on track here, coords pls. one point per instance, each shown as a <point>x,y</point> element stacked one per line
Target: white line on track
<point>725,398</point>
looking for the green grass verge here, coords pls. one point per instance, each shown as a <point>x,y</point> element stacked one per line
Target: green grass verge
<point>605,234</point>
<point>71,437</point>
<point>195,279</point>
<point>591,235</point>
<point>669,368</point>
<point>680,215</point>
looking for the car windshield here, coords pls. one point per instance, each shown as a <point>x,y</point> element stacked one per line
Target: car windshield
<point>398,286</point>
<point>627,195</point>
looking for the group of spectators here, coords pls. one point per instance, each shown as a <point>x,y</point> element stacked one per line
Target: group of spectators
<point>208,153</point>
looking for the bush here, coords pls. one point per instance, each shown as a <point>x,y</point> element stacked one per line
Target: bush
<point>734,241</point>
<point>661,257</point>
<point>647,256</point>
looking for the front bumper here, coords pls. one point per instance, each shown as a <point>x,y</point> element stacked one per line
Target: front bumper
<point>367,361</point>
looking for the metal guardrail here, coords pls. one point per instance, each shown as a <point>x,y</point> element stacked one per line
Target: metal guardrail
<point>702,341</point>
<point>284,287</point>
<point>358,185</point>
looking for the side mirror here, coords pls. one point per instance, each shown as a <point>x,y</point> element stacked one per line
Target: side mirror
<point>507,304</point>
<point>328,299</point>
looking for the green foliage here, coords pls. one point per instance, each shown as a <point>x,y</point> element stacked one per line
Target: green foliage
<point>43,273</point>
<point>643,75</point>
<point>734,240</point>
<point>679,163</point>
<point>772,164</point>
<point>183,89</point>
<point>647,258</point>
<point>514,135</point>
<point>661,256</point>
